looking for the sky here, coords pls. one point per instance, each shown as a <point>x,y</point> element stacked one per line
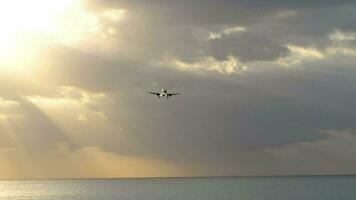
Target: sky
<point>268,88</point>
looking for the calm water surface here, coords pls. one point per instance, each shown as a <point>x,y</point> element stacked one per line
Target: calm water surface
<point>253,188</point>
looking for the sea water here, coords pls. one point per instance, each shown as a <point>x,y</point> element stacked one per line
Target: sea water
<point>239,188</point>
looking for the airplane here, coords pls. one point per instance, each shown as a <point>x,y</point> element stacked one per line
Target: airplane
<point>163,93</point>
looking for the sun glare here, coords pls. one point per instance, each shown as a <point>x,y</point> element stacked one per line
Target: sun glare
<point>26,26</point>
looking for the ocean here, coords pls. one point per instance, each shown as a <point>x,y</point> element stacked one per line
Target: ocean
<point>239,188</point>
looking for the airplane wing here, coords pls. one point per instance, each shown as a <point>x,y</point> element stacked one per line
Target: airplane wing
<point>154,93</point>
<point>172,94</point>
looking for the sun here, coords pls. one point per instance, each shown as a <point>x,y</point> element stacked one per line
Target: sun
<point>27,26</point>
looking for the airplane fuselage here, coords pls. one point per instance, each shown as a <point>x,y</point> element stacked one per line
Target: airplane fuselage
<point>163,93</point>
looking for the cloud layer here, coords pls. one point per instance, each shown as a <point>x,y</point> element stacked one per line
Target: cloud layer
<point>267,90</point>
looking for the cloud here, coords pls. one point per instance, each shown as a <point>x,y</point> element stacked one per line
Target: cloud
<point>7,104</point>
<point>342,43</point>
<point>299,55</point>
<point>226,31</point>
<point>241,110</point>
<point>205,12</point>
<point>332,154</point>
<point>114,15</point>
<point>314,157</point>
<point>246,47</point>
<point>82,117</point>
<point>341,36</point>
<point>229,66</point>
